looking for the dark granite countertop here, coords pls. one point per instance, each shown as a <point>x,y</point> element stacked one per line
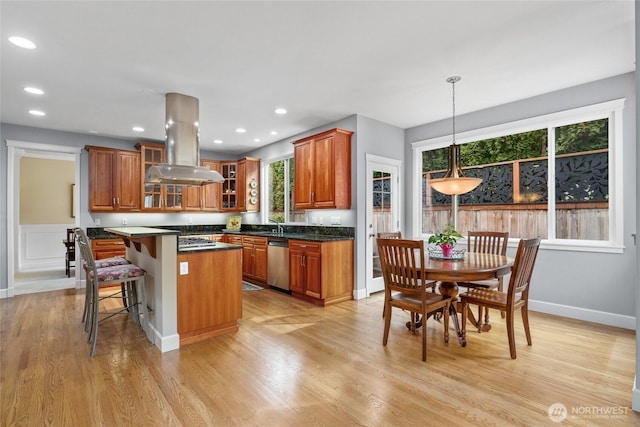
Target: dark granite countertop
<point>298,232</point>
<point>220,246</point>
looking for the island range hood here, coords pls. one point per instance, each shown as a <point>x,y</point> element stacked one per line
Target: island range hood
<point>182,146</point>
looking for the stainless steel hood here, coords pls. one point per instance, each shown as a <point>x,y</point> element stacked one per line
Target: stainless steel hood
<point>182,146</point>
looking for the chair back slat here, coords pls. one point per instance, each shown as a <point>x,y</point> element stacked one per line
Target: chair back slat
<point>522,270</point>
<point>488,242</point>
<point>401,262</point>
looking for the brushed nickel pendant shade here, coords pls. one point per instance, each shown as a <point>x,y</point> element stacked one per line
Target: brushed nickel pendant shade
<point>454,182</point>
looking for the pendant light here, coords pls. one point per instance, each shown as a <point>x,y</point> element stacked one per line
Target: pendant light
<point>454,182</point>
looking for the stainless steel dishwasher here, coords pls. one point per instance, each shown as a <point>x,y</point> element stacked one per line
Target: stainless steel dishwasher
<point>278,263</point>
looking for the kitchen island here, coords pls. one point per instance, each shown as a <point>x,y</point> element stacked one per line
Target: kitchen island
<point>192,295</point>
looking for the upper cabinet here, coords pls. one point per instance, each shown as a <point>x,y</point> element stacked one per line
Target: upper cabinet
<point>206,197</point>
<point>157,197</point>
<point>114,180</point>
<point>323,170</point>
<point>241,186</point>
<point>116,183</point>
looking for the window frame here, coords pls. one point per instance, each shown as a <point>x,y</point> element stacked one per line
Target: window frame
<point>612,110</point>
<point>266,191</point>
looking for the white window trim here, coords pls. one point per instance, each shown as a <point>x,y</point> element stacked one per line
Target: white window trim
<point>266,193</point>
<point>611,109</point>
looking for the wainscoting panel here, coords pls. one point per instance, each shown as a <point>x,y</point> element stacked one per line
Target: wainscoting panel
<point>41,247</point>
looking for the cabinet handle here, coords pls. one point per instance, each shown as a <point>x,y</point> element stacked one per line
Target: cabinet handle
<point>118,201</point>
<point>313,196</point>
<point>113,203</point>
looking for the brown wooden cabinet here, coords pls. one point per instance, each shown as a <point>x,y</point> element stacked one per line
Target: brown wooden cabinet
<point>210,294</point>
<point>240,191</point>
<point>234,239</point>
<point>249,184</point>
<point>114,180</point>
<point>228,196</point>
<point>254,259</point>
<point>206,197</point>
<point>322,174</point>
<point>321,272</point>
<point>107,248</point>
<point>157,197</point>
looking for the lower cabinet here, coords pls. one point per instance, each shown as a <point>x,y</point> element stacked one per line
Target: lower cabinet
<point>107,248</point>
<point>254,259</point>
<point>209,294</point>
<point>321,272</point>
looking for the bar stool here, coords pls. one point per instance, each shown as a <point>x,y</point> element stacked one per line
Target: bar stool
<point>132,292</point>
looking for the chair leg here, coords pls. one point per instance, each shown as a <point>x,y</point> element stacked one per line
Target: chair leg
<point>486,311</point>
<point>463,308</point>
<point>387,323</point>
<point>525,320</point>
<point>424,336</point>
<point>511,335</point>
<point>446,324</point>
<point>95,318</point>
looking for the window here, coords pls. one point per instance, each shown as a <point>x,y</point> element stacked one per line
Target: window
<point>280,192</point>
<point>551,177</point>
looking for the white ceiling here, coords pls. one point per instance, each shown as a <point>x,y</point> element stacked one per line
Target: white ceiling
<point>105,66</point>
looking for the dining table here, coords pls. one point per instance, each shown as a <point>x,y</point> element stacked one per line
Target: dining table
<point>469,267</point>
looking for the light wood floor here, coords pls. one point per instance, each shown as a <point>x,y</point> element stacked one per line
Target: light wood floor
<point>292,364</point>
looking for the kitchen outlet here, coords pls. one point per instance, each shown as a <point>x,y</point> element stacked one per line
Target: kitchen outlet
<point>335,220</point>
<point>321,221</point>
<point>124,221</point>
<point>97,221</point>
<point>184,268</point>
<point>314,220</point>
<point>190,220</point>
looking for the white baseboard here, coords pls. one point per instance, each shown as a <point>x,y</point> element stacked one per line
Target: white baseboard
<point>604,318</point>
<point>360,293</point>
<point>635,396</point>
<point>6,293</point>
<point>165,344</point>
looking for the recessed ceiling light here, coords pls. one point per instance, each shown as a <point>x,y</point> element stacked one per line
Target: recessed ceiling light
<point>22,42</point>
<point>273,132</point>
<point>256,140</point>
<point>33,90</point>
<point>241,130</point>
<point>93,131</point>
<point>137,129</point>
<point>36,112</point>
<point>281,111</point>
<point>217,141</point>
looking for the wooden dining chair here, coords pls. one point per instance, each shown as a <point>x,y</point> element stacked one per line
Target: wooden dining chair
<point>516,297</point>
<point>402,264</point>
<point>415,319</point>
<point>487,242</point>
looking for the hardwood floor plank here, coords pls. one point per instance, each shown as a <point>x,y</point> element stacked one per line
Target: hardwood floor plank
<point>293,364</point>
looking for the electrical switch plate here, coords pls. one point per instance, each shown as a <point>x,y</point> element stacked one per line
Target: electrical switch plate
<point>190,220</point>
<point>335,220</point>
<point>124,221</point>
<point>314,220</point>
<point>97,221</point>
<point>184,268</point>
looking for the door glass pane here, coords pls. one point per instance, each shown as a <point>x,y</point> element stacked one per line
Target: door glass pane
<point>382,214</point>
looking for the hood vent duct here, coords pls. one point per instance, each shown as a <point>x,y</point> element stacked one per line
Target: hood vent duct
<point>182,146</point>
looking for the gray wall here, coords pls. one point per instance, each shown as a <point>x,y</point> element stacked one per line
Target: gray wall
<point>579,284</point>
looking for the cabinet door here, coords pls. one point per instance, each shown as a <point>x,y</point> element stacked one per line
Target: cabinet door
<point>303,175</point>
<point>228,195</point>
<point>107,248</point>
<point>313,274</point>
<point>247,260</point>
<point>296,271</point>
<point>241,187</point>
<point>192,199</point>
<point>101,182</point>
<point>211,192</point>
<point>150,156</point>
<point>127,181</point>
<point>260,261</point>
<point>323,173</point>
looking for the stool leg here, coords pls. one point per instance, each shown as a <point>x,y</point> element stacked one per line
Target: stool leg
<point>145,311</point>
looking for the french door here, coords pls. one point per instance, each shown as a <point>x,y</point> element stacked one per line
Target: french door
<point>383,211</point>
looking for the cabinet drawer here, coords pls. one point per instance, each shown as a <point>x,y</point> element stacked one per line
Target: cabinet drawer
<point>252,240</point>
<point>304,245</point>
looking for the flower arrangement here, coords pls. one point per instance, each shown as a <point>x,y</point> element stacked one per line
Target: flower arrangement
<point>446,239</point>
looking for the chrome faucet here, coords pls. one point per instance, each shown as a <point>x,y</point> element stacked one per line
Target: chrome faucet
<point>280,230</point>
